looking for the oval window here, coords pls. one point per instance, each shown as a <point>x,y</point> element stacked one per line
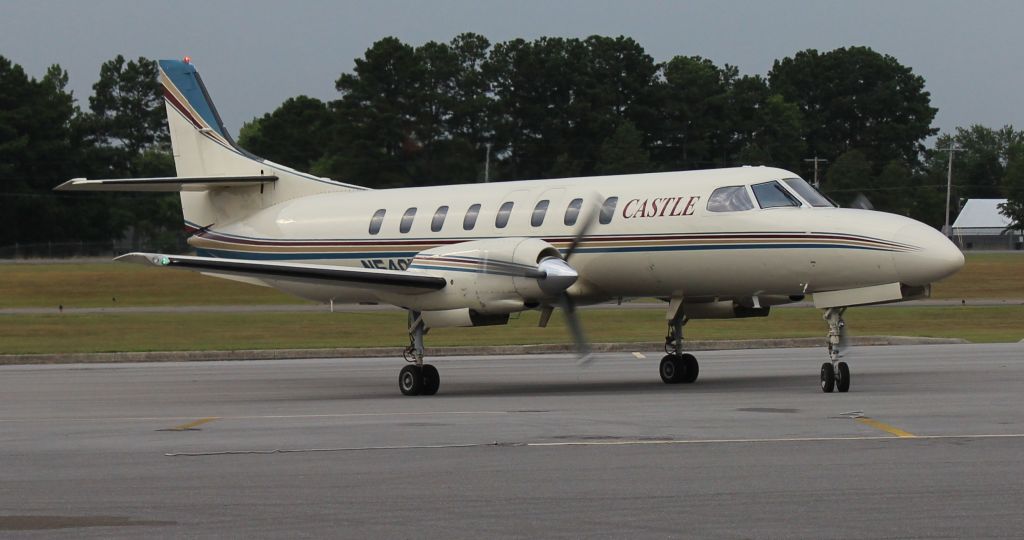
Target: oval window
<point>438,221</point>
<point>377,220</point>
<point>501,220</point>
<point>608,210</point>
<point>539,211</point>
<point>472,213</point>
<point>572,213</point>
<point>407,218</point>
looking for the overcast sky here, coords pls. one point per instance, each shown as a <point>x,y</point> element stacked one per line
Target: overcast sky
<point>255,54</point>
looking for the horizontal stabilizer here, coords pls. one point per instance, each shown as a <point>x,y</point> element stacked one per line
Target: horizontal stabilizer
<point>295,272</point>
<point>171,184</point>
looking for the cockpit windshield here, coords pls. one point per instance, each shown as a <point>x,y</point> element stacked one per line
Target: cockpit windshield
<point>729,199</point>
<point>773,195</point>
<point>811,195</point>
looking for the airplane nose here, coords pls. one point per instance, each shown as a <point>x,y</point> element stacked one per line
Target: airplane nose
<point>934,258</point>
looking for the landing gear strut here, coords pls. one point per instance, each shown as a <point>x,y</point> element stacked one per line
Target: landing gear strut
<point>677,366</point>
<point>417,379</point>
<point>835,375</point>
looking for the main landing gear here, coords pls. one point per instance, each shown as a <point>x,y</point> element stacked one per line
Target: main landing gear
<point>835,375</point>
<point>677,366</point>
<point>417,379</point>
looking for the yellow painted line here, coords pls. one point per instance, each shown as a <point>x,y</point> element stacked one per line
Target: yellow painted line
<point>193,424</point>
<point>892,430</point>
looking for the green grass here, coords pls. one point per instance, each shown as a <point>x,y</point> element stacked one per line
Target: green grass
<point>166,332</point>
<point>121,284</point>
<point>986,275</point>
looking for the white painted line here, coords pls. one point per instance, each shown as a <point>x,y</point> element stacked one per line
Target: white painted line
<point>583,443</point>
<point>639,355</point>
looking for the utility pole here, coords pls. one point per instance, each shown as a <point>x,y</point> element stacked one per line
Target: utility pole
<point>946,229</point>
<point>816,161</point>
<point>487,164</point>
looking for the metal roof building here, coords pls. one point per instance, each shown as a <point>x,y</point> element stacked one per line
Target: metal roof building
<point>981,225</point>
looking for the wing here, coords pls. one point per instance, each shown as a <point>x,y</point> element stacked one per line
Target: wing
<point>166,184</point>
<point>390,281</point>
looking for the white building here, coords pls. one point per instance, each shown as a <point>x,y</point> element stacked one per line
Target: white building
<point>981,225</point>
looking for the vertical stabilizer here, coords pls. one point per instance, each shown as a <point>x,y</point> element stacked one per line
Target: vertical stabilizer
<point>202,147</point>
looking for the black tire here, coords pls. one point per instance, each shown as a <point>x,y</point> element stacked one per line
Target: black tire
<point>828,378</point>
<point>671,369</point>
<point>690,368</point>
<point>843,377</point>
<point>431,380</point>
<point>410,380</point>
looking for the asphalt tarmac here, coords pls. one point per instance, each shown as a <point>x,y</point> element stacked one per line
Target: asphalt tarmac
<point>928,443</point>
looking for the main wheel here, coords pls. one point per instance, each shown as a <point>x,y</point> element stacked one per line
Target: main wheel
<point>690,367</point>
<point>672,370</point>
<point>410,380</point>
<point>828,377</point>
<point>431,380</point>
<point>843,377</point>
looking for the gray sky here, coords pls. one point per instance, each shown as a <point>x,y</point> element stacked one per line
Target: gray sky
<point>255,54</point>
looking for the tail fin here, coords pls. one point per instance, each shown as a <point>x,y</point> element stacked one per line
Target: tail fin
<point>202,147</point>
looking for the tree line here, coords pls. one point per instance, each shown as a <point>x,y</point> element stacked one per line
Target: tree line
<point>552,107</point>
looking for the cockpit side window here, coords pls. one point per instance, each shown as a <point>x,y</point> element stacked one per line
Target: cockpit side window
<point>730,199</point>
<point>773,195</point>
<point>811,195</point>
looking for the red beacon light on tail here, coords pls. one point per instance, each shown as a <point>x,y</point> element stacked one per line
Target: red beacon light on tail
<point>187,59</point>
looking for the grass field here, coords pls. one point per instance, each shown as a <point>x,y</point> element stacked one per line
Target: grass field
<point>166,332</point>
<point>121,284</point>
<point>986,275</point>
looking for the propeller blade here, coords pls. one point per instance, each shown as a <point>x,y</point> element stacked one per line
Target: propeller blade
<point>572,322</point>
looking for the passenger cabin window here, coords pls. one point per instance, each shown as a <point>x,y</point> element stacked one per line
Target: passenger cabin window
<point>377,220</point>
<point>407,218</point>
<point>730,199</point>
<point>469,221</point>
<point>438,221</point>
<point>811,195</point>
<point>773,195</point>
<point>501,220</point>
<point>539,212</point>
<point>572,213</point>
<point>608,210</point>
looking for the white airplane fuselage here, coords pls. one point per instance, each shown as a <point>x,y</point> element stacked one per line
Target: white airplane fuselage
<point>661,241</point>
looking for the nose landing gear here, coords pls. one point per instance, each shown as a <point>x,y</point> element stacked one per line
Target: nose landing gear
<point>835,375</point>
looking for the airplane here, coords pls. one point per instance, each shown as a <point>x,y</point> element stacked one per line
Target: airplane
<point>720,243</point>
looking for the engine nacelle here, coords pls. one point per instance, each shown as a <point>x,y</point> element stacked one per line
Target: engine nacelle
<point>493,276</point>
